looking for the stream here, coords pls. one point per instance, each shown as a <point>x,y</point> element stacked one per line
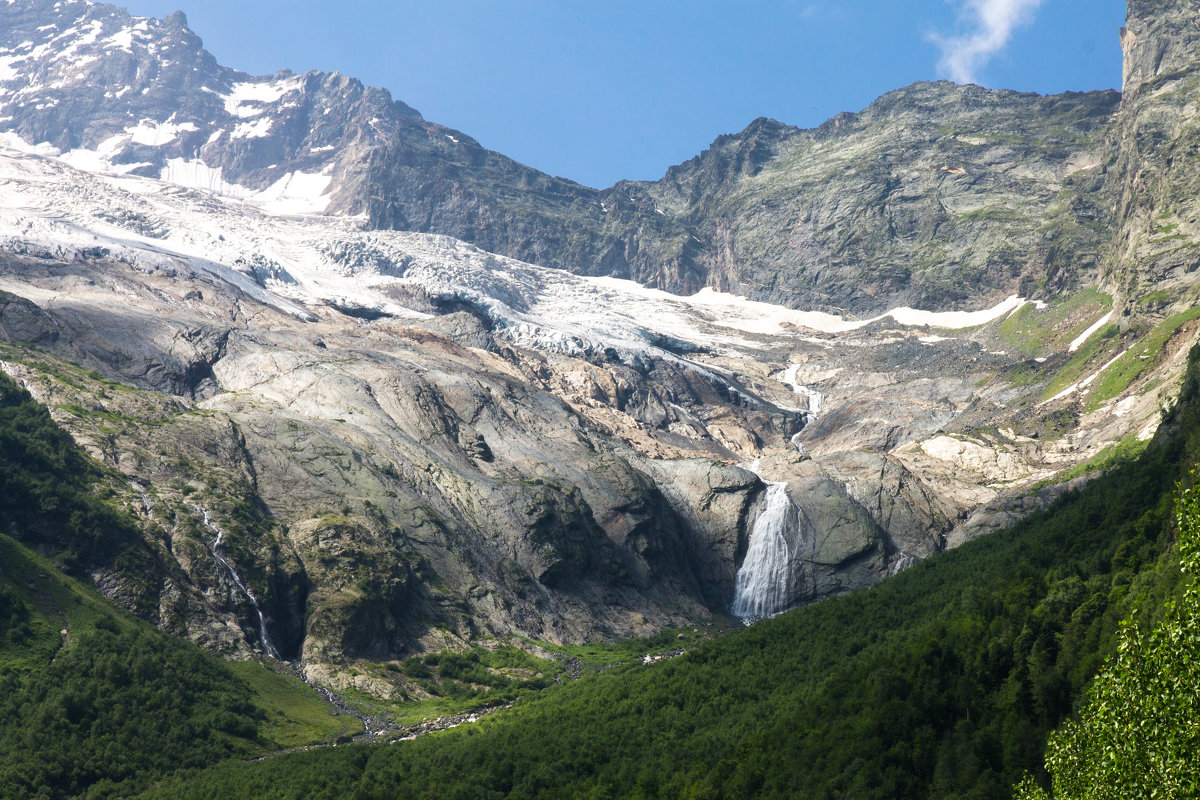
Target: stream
<point>215,548</point>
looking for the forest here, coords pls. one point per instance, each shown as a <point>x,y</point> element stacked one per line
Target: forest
<point>92,701</point>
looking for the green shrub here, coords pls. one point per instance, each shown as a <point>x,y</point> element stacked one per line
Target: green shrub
<point>1139,734</point>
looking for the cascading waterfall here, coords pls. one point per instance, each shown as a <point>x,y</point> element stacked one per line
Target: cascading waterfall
<point>215,549</point>
<point>903,562</point>
<point>764,582</point>
<point>147,509</point>
<point>813,400</point>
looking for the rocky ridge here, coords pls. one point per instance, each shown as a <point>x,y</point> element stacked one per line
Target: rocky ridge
<point>1152,257</point>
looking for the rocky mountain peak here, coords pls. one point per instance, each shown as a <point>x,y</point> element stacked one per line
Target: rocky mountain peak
<point>69,67</point>
<point>136,95</point>
<point>176,19</point>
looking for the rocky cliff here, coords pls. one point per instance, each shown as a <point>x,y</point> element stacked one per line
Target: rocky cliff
<point>1155,180</point>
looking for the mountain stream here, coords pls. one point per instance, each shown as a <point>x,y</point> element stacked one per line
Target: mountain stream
<point>215,548</point>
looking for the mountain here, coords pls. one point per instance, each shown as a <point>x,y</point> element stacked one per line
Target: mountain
<point>376,391</point>
<point>761,213</point>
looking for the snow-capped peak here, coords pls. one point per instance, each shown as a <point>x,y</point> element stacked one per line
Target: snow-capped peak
<point>119,94</point>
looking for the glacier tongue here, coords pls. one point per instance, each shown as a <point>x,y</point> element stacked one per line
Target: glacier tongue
<point>193,216</point>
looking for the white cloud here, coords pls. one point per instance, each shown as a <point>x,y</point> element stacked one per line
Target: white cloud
<point>992,22</point>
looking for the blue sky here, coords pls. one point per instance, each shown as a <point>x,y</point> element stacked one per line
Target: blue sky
<point>600,91</point>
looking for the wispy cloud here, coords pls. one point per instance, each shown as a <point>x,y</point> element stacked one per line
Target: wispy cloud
<point>992,23</point>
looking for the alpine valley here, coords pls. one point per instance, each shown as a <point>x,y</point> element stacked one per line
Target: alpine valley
<point>400,428</point>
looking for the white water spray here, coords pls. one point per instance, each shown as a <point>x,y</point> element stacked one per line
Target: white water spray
<point>764,582</point>
<point>813,399</point>
<point>215,549</point>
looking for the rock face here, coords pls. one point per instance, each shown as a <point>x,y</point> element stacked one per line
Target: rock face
<point>934,196</point>
<point>229,290</point>
<point>1155,181</point>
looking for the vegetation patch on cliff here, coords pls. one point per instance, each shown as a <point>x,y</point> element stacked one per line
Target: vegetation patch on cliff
<point>1031,331</point>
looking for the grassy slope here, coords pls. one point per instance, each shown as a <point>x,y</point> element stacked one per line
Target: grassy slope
<point>941,682</point>
<point>1033,332</point>
<point>110,704</point>
<point>293,714</point>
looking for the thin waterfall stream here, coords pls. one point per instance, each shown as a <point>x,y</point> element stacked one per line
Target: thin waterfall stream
<point>764,582</point>
<point>144,496</point>
<point>215,548</point>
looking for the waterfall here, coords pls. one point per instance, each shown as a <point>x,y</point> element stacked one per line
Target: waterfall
<point>764,582</point>
<point>215,549</point>
<point>903,562</point>
<point>147,509</point>
<point>815,399</point>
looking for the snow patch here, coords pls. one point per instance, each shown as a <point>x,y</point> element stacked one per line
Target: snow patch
<point>752,316</point>
<point>1083,337</point>
<point>7,71</point>
<point>12,141</point>
<point>257,129</point>
<point>258,94</point>
<point>156,134</point>
<point>295,193</point>
<point>195,174</point>
<point>954,320</point>
<point>121,40</point>
<point>101,159</point>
